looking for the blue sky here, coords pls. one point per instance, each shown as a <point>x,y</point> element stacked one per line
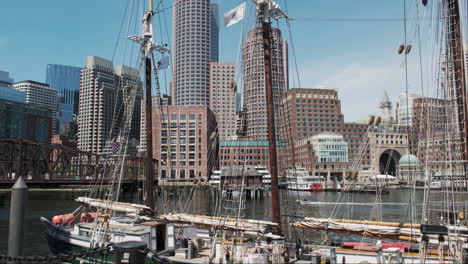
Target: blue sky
<point>358,58</point>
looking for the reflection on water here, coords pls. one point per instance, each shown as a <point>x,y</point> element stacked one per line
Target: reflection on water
<point>391,207</point>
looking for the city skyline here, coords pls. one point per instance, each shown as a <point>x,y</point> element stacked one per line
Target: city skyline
<point>339,54</point>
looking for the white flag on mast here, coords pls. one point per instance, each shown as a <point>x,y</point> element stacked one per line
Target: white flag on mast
<point>235,15</point>
<point>163,63</point>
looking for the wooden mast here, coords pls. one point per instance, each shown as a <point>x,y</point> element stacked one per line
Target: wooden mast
<point>265,10</point>
<point>149,170</point>
<point>266,36</point>
<point>456,49</point>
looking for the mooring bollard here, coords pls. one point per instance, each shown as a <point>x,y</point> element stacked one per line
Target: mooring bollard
<point>19,199</point>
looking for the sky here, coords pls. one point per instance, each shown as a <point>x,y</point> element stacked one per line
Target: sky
<point>347,45</point>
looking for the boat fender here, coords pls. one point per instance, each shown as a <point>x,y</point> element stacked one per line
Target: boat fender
<point>57,220</point>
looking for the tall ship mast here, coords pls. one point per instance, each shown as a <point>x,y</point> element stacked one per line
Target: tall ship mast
<point>267,9</point>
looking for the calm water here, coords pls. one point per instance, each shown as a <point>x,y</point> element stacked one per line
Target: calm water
<point>392,207</point>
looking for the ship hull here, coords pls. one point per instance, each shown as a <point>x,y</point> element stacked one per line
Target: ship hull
<point>62,242</point>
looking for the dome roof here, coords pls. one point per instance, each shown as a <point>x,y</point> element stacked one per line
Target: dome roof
<point>409,159</point>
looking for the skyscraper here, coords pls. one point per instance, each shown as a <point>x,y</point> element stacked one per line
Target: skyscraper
<point>405,109</point>
<point>254,83</point>
<point>103,97</point>
<point>128,79</point>
<point>6,89</point>
<point>66,79</point>
<point>214,16</point>
<point>40,95</point>
<point>223,97</point>
<point>191,31</point>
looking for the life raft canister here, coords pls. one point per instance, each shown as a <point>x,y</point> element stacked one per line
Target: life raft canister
<point>63,220</point>
<point>88,217</point>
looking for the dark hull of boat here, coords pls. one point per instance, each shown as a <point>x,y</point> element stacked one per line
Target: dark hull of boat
<point>61,242</point>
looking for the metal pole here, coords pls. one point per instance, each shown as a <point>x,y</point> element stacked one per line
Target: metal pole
<point>149,137</point>
<point>266,33</point>
<point>19,198</point>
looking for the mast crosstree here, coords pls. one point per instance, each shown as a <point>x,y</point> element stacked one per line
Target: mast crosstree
<point>148,46</point>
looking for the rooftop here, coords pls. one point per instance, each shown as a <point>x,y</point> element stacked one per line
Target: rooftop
<point>248,143</point>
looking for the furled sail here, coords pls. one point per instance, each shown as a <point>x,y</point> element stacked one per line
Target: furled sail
<point>407,232</point>
<point>113,206</point>
<point>248,225</point>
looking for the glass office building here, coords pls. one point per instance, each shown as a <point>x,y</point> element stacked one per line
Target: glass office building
<point>22,121</point>
<point>214,49</point>
<point>66,79</point>
<point>7,92</point>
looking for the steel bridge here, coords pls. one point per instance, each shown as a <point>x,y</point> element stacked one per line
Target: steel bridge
<point>45,164</point>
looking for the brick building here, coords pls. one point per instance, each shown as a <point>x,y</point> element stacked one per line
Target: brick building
<point>184,142</point>
<point>250,153</point>
<point>309,112</point>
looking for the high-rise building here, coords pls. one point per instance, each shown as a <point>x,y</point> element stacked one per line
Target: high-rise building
<point>128,80</point>
<point>309,112</point>
<point>184,142</point>
<point>7,92</point>
<point>223,97</point>
<point>254,84</point>
<point>40,95</point>
<point>405,109</point>
<point>24,121</point>
<point>98,95</point>
<point>214,16</point>
<point>191,32</point>
<point>105,93</point>
<point>66,80</point>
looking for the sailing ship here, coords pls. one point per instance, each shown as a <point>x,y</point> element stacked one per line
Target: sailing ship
<point>229,237</point>
<point>135,233</point>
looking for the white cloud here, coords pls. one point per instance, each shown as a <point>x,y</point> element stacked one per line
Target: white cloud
<point>360,85</point>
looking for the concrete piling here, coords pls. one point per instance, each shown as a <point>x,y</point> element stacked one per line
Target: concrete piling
<point>19,199</point>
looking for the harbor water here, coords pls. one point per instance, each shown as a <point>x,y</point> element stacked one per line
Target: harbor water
<point>394,206</point>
